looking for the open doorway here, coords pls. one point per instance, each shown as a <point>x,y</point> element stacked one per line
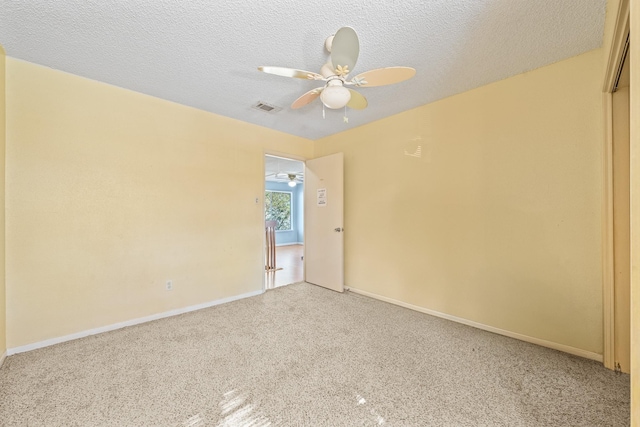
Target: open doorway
<point>284,221</point>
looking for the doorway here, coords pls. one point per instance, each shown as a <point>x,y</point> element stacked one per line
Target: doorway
<point>284,221</point>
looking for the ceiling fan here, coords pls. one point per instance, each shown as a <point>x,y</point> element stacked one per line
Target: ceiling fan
<point>335,94</point>
<point>292,179</point>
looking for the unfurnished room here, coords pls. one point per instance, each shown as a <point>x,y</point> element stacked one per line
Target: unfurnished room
<point>333,213</point>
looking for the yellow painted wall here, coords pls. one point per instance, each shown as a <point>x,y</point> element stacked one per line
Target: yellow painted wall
<point>3,329</point>
<point>110,193</point>
<point>486,205</point>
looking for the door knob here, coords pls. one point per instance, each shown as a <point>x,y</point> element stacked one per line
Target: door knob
<point>338,229</point>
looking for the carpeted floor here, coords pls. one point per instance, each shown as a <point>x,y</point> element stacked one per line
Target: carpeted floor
<point>305,356</point>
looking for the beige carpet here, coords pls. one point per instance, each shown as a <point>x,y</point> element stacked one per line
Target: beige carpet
<point>304,356</point>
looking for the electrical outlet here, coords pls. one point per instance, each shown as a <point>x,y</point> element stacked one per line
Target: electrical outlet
<point>169,285</point>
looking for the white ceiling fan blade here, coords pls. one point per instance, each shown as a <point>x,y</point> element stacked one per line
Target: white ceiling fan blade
<point>357,101</point>
<point>291,72</point>
<point>383,76</point>
<point>345,48</point>
<point>307,98</point>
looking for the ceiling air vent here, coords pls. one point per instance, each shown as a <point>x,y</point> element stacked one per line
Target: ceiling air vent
<point>263,106</point>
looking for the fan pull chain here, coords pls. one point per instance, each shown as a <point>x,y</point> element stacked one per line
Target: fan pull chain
<point>323,110</point>
<point>345,118</point>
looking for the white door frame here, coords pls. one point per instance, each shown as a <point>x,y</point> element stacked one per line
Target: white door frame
<point>634,125</point>
<point>614,63</point>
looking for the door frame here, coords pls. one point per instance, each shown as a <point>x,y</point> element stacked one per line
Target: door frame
<point>614,65</point>
<point>288,156</point>
<point>634,124</point>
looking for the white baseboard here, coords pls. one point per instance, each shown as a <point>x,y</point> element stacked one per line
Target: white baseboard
<point>120,325</point>
<point>289,244</point>
<point>4,356</point>
<point>544,343</point>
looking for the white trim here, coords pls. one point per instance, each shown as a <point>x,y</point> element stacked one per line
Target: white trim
<point>608,297</point>
<point>620,32</point>
<point>538,341</point>
<point>289,244</point>
<point>614,63</point>
<point>2,359</point>
<point>635,211</point>
<point>132,322</point>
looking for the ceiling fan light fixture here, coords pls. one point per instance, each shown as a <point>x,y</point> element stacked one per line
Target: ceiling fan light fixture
<point>344,48</point>
<point>335,97</point>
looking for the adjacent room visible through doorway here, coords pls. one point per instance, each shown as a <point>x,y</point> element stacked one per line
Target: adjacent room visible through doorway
<point>284,221</point>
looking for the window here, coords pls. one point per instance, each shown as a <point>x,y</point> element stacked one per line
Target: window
<point>277,207</point>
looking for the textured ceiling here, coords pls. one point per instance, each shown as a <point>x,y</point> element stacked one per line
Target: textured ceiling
<point>278,165</point>
<point>204,53</point>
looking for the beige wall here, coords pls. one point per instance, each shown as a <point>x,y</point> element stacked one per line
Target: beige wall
<point>3,306</point>
<point>497,222</point>
<point>499,219</point>
<point>110,193</point>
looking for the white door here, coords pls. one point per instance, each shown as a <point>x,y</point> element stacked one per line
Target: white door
<point>323,222</point>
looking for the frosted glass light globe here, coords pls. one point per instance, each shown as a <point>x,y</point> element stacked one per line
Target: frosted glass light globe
<point>335,97</point>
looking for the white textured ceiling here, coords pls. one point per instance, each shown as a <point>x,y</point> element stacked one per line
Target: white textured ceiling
<point>275,167</point>
<point>204,53</point>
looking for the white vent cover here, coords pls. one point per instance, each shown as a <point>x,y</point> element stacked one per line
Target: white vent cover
<point>263,106</point>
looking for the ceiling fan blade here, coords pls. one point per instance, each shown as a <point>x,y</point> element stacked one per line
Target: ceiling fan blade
<point>357,101</point>
<point>345,48</point>
<point>307,98</point>
<point>291,72</point>
<point>383,76</point>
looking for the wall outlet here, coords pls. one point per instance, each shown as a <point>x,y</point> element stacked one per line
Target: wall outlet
<point>169,285</point>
